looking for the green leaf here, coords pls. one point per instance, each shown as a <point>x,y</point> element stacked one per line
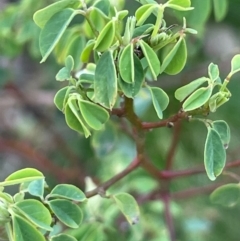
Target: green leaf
<point>213,72</point>
<point>180,3</point>
<point>23,175</point>
<point>63,237</point>
<point>74,119</point>
<point>65,72</point>
<point>144,12</point>
<point>126,64</point>
<point>227,195</point>
<point>152,59</point>
<point>105,84</point>
<point>53,31</point>
<point>25,231</point>
<point>184,91</point>
<point>67,212</point>
<point>94,115</point>
<point>175,57</point>
<point>235,64</point>
<point>214,154</point>
<point>42,16</point>
<point>160,100</point>
<point>142,30</point>
<point>197,98</point>
<point>85,55</point>
<point>220,9</point>
<point>35,212</point>
<point>36,188</point>
<point>59,98</point>
<point>106,37</point>
<point>68,191</point>
<point>222,128</point>
<point>128,206</point>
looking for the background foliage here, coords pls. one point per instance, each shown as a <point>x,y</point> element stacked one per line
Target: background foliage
<point>34,133</point>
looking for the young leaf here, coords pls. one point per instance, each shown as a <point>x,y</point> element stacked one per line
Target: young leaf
<point>60,98</point>
<point>53,31</point>
<point>105,84</point>
<point>67,191</point>
<point>152,59</point>
<point>106,37</point>
<point>180,3</point>
<point>220,9</point>
<point>144,12</point>
<point>142,30</point>
<point>235,64</point>
<point>126,64</point>
<point>36,188</point>
<point>67,212</point>
<point>222,128</point>
<point>63,237</point>
<point>128,206</point>
<point>35,212</point>
<point>94,115</point>
<point>25,231</point>
<point>213,72</point>
<point>197,98</point>
<point>184,91</point>
<point>227,195</point>
<point>23,175</point>
<point>214,154</point>
<point>74,119</point>
<point>42,16</point>
<point>160,100</point>
<point>85,55</point>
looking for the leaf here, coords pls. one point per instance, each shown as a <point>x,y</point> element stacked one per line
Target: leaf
<point>35,212</point>
<point>152,59</point>
<point>128,206</point>
<point>173,56</point>
<point>59,98</point>
<point>94,115</point>
<point>42,16</point>
<point>126,64</point>
<point>106,37</point>
<point>227,195</point>
<point>197,98</point>
<point>65,72</point>
<point>85,55</point>
<point>214,154</point>
<point>74,119</point>
<point>213,72</point>
<point>180,3</point>
<point>53,31</point>
<point>222,128</point>
<point>235,64</point>
<point>144,12</point>
<point>184,91</point>
<point>160,100</point>
<point>23,175</point>
<point>105,84</point>
<point>67,212</point>
<point>36,188</point>
<point>142,30</point>
<point>63,237</point>
<point>68,191</point>
<point>25,231</point>
<point>220,9</point>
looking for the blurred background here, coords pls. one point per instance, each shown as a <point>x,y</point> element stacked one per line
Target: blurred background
<point>33,133</point>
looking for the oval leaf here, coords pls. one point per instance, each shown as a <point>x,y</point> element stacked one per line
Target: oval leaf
<point>36,188</point>
<point>53,31</point>
<point>220,9</point>
<point>214,154</point>
<point>197,98</point>
<point>227,195</point>
<point>152,59</point>
<point>105,84</point>
<point>67,212</point>
<point>85,55</point>
<point>59,98</point>
<point>35,212</point>
<point>63,237</point>
<point>184,91</point>
<point>181,3</point>
<point>213,72</point>
<point>160,100</point>
<point>128,206</point>
<point>25,231</point>
<point>68,191</point>
<point>106,37</point>
<point>235,64</point>
<point>222,128</point>
<point>144,12</point>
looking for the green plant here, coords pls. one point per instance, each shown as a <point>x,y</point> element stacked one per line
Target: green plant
<point>110,61</point>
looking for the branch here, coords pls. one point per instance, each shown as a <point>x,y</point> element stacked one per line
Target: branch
<point>104,186</point>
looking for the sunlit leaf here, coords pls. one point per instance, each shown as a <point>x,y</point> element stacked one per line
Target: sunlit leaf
<point>85,55</point>
<point>214,154</point>
<point>144,12</point>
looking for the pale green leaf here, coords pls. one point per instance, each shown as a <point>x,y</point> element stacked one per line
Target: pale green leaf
<point>36,188</point>
<point>235,64</point>
<point>59,98</point>
<point>222,128</point>
<point>144,12</point>
<point>63,237</point>
<point>213,72</point>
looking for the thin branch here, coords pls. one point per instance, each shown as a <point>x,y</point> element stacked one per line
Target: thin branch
<point>104,186</point>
